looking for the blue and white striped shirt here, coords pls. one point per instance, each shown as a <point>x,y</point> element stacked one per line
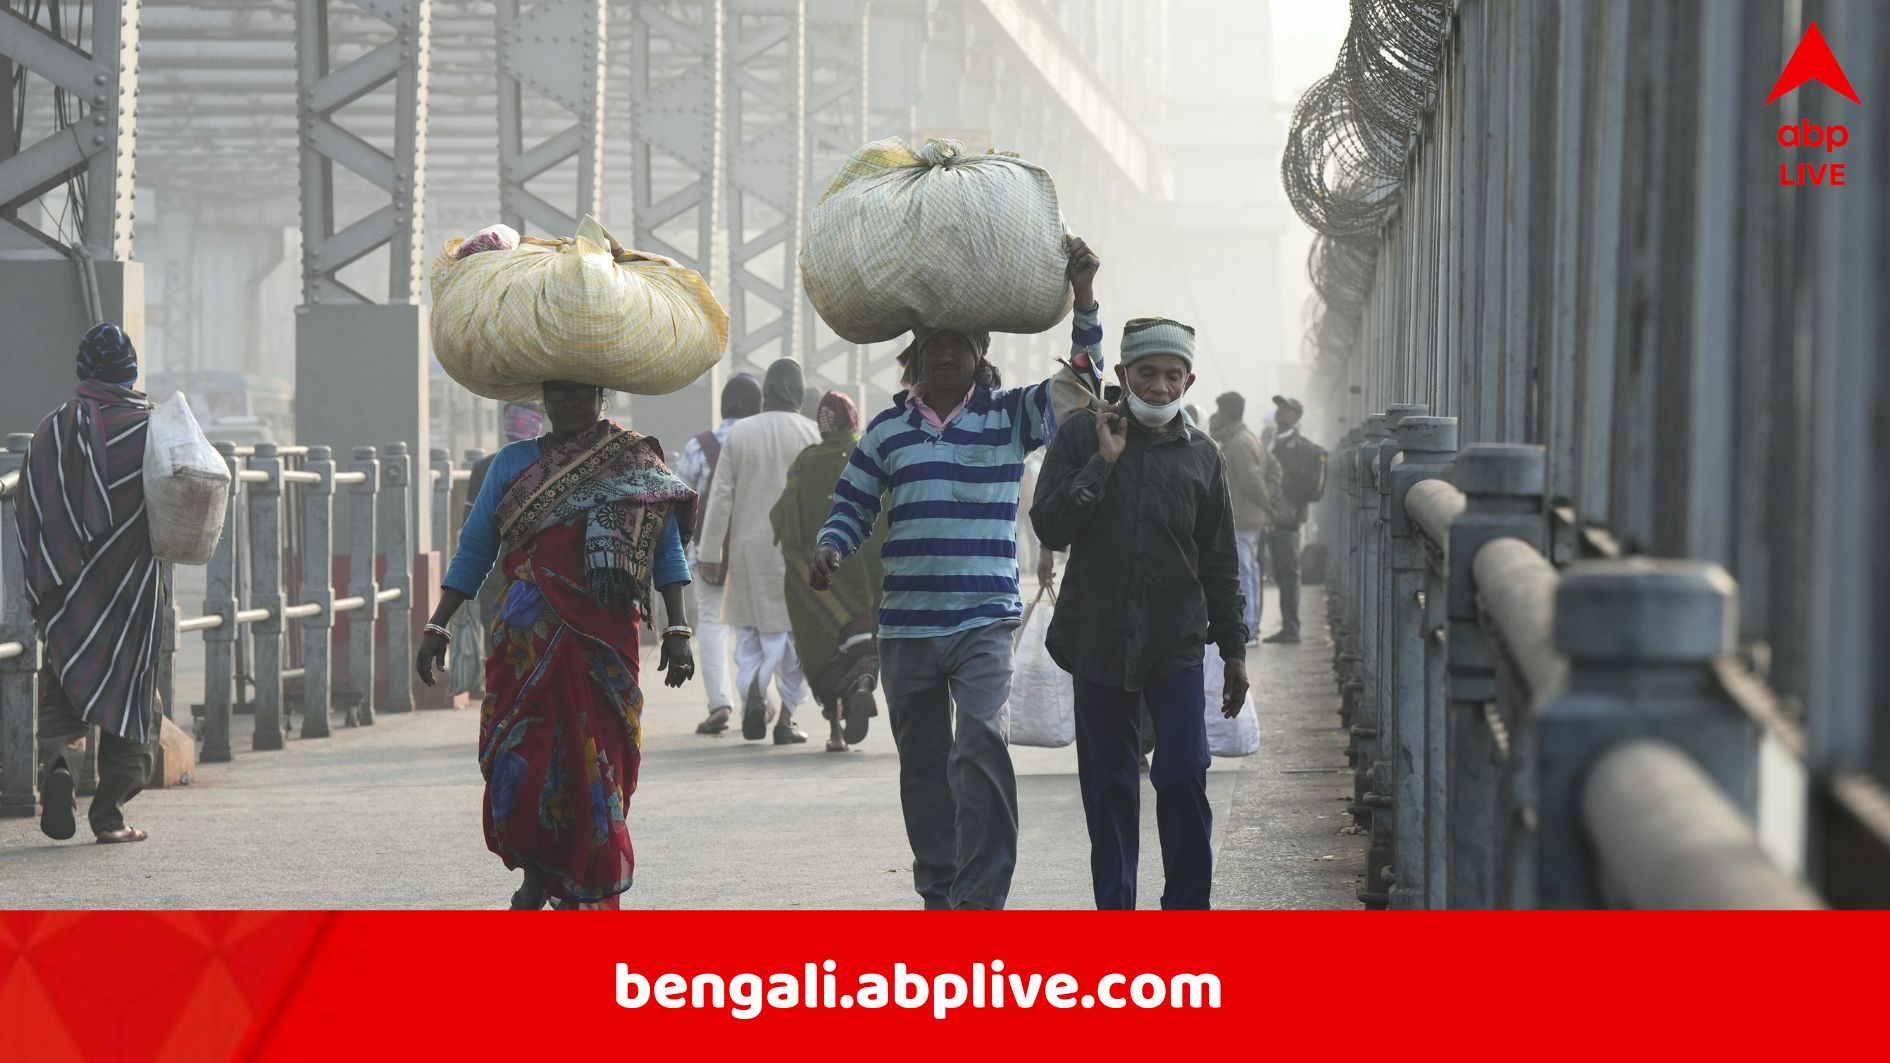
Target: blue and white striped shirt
<point>951,545</point>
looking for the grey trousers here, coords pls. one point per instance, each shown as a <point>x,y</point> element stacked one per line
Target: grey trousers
<point>124,766</point>
<point>1283,555</point>
<point>956,786</point>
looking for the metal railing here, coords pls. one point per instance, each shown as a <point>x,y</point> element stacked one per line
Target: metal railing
<point>271,604</point>
<point>1525,735</point>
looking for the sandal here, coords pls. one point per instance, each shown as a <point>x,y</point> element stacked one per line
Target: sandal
<point>58,813</point>
<point>121,835</point>
<point>717,721</point>
<point>860,710</point>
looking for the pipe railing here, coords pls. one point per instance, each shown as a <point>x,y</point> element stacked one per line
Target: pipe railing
<point>273,574</point>
<point>1524,735</point>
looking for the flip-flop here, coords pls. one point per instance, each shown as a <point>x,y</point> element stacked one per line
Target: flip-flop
<point>121,836</point>
<point>715,724</point>
<point>58,813</point>
<point>755,718</point>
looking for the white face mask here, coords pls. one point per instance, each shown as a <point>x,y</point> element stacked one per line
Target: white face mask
<point>1149,415</point>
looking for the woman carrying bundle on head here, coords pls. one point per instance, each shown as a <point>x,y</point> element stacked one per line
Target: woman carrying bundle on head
<point>586,521</point>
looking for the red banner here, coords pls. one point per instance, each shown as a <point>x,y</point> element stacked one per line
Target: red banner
<point>198,986</point>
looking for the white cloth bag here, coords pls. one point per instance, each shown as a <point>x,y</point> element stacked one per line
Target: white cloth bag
<point>186,485</point>
<point>1043,698</point>
<point>1238,737</point>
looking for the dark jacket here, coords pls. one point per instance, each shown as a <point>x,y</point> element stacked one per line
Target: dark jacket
<point>1153,574</point>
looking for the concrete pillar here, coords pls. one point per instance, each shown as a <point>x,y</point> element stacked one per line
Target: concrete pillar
<point>47,314</point>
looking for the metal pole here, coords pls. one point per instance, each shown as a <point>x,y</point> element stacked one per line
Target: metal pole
<point>19,676</point>
<point>265,566</point>
<point>219,643</point>
<point>318,588</point>
<point>397,561</point>
<point>363,585</point>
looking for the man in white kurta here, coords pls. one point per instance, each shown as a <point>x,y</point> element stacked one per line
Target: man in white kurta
<point>738,547</point>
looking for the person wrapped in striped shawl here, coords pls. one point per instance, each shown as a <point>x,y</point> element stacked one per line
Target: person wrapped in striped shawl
<point>94,588</point>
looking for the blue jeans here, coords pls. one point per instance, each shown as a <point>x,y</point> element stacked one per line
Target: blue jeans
<point>1108,748</point>
<point>1248,545</point>
<point>956,785</point>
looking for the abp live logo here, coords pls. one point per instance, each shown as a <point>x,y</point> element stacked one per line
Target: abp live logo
<point>1812,61</point>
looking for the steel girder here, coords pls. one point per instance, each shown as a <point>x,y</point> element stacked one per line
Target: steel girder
<point>556,47</point>
<point>676,126</point>
<point>837,100</point>
<point>101,147</point>
<point>766,96</point>
<point>402,60</point>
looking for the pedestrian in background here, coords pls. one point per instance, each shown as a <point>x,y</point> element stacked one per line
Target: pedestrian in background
<point>833,630</point>
<point>1302,481</point>
<point>741,397</point>
<point>1140,498</point>
<point>95,589</point>
<point>949,456</point>
<point>1253,479</point>
<point>518,421</point>
<point>738,552</point>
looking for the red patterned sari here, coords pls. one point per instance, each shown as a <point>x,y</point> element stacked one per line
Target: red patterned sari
<point>559,733</point>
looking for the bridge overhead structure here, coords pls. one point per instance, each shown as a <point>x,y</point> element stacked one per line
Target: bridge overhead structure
<point>1575,244</point>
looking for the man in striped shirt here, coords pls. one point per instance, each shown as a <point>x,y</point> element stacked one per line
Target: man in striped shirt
<point>950,453</point>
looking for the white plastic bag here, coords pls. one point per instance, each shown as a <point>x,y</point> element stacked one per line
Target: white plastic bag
<point>1043,698</point>
<point>1238,737</point>
<point>936,235</point>
<point>186,485</point>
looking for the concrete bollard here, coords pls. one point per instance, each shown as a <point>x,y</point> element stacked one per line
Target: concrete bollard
<point>1641,638</point>
<point>1426,447</point>
<point>1502,485</point>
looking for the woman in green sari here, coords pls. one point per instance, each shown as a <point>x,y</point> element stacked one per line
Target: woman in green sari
<point>833,631</point>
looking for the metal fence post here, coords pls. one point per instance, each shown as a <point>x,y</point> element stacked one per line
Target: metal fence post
<point>1426,446</point>
<point>1641,637</point>
<point>363,585</point>
<point>1384,696</point>
<point>19,675</point>
<point>442,477</point>
<point>1371,795</point>
<point>318,589</point>
<point>265,592</point>
<point>397,553</point>
<point>219,642</point>
<point>1502,485</point>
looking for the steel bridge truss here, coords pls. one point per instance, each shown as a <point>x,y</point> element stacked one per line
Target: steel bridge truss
<point>558,49</point>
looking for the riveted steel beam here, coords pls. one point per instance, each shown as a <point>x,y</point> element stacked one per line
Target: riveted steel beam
<point>100,143</point>
<point>765,92</point>
<point>323,89</point>
<point>676,126</point>
<point>558,49</point>
<point>837,106</point>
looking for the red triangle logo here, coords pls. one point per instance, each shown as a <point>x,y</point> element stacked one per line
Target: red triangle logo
<point>1812,61</point>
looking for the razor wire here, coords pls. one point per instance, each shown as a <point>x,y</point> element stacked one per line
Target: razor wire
<point>1346,149</point>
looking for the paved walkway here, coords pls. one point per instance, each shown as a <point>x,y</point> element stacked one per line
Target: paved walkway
<point>388,817</point>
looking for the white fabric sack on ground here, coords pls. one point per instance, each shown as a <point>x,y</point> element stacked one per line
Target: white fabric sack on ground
<point>1043,698</point>
<point>186,485</point>
<point>583,309</point>
<point>938,236</point>
<point>1238,737</point>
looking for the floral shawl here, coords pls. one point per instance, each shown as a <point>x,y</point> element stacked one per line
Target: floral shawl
<point>615,481</point>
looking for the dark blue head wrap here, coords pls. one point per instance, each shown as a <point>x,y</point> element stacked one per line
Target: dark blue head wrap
<point>106,355</point>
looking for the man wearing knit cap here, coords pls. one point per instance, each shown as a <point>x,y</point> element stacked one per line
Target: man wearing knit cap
<point>738,552</point>
<point>94,588</point>
<point>947,460</point>
<point>1253,480</point>
<point>1140,499</point>
<point>741,397</point>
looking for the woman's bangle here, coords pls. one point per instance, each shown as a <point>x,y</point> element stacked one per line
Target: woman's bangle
<point>435,629</point>
<point>679,629</point>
